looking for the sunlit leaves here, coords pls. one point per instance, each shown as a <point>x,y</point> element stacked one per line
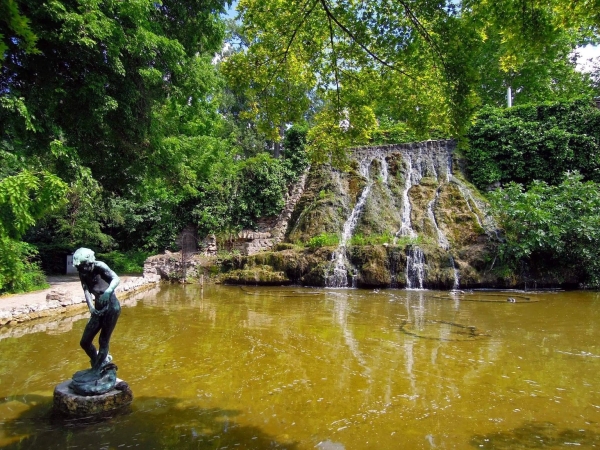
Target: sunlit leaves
<point>26,197</point>
<point>532,142</point>
<point>438,61</point>
<point>15,29</point>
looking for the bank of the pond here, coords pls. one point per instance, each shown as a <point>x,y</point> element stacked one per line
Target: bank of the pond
<point>64,296</point>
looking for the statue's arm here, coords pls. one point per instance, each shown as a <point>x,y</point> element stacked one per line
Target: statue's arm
<point>108,274</point>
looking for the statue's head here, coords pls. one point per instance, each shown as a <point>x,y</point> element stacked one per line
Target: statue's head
<point>83,255</point>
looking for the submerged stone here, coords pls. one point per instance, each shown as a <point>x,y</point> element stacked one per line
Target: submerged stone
<point>67,401</point>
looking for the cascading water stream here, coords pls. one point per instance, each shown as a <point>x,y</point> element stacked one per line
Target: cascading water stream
<point>339,275</point>
<point>442,239</point>
<point>415,268</point>
<point>384,168</point>
<point>456,284</point>
<point>406,225</point>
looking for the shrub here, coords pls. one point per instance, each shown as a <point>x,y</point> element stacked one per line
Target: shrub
<point>376,239</point>
<point>124,262</point>
<point>262,189</point>
<point>19,271</point>
<point>556,228</point>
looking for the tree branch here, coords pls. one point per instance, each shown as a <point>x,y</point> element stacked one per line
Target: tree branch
<point>335,64</point>
<point>422,31</point>
<point>360,44</point>
<point>291,40</point>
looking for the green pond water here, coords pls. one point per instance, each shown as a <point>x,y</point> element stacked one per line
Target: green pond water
<point>296,368</point>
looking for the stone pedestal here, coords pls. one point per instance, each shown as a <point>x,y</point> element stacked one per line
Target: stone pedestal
<point>66,401</point>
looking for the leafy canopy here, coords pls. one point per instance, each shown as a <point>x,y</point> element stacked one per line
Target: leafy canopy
<point>428,65</point>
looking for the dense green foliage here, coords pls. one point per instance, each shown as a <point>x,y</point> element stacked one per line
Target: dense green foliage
<point>427,65</point>
<point>261,189</point>
<point>553,229</point>
<point>323,240</point>
<point>19,270</point>
<point>127,262</point>
<point>119,127</point>
<point>119,100</point>
<point>24,198</point>
<point>534,142</point>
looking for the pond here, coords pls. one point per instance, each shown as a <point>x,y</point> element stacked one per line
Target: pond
<point>297,368</point>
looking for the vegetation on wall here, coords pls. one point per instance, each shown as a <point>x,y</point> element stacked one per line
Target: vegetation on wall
<point>553,230</point>
<point>534,142</point>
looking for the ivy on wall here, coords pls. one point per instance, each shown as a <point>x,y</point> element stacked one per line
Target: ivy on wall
<point>534,142</point>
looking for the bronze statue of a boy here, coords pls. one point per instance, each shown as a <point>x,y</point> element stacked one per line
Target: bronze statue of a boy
<point>99,281</point>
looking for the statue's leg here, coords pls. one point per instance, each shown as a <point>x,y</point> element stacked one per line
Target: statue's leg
<point>90,331</point>
<point>109,321</point>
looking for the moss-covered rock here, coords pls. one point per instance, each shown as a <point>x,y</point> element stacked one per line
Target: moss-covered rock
<point>381,213</point>
<point>258,275</point>
<point>323,206</point>
<point>372,265</point>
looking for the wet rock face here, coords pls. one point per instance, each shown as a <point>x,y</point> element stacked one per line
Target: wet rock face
<point>403,215</point>
<point>323,206</point>
<point>373,267</point>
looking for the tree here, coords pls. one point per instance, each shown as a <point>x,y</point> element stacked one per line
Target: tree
<point>101,70</point>
<point>14,29</point>
<point>119,100</point>
<point>534,142</point>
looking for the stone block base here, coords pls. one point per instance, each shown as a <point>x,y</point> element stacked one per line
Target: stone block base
<point>66,401</point>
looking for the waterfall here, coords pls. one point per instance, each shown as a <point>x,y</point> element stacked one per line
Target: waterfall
<point>406,225</point>
<point>415,268</point>
<point>442,239</point>
<point>456,284</point>
<point>384,168</point>
<point>339,277</point>
<point>449,168</point>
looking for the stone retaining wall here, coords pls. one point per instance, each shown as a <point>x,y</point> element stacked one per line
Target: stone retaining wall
<point>60,320</point>
<point>59,301</point>
<point>169,266</point>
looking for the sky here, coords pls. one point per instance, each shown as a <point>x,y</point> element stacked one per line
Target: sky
<point>585,53</point>
<point>231,12</point>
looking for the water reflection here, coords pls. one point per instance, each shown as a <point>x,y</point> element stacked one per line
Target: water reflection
<point>332,369</point>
